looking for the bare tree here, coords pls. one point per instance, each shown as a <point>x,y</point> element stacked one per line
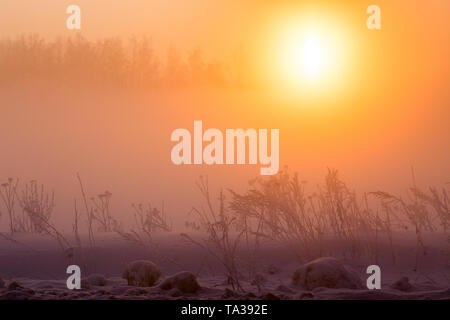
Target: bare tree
<point>8,194</point>
<point>148,221</point>
<point>89,213</point>
<point>101,212</point>
<point>38,206</point>
<point>223,237</point>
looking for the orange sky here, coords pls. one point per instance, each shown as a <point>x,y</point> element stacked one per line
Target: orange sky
<point>388,110</point>
<point>184,23</point>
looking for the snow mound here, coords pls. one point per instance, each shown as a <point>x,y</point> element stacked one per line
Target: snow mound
<point>184,281</point>
<point>403,284</point>
<point>141,273</point>
<point>326,272</point>
<point>97,279</point>
<point>14,286</point>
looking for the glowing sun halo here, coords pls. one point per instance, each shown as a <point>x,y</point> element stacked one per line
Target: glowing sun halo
<point>310,57</point>
<point>306,57</point>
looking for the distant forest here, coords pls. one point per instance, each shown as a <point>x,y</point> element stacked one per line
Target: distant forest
<point>113,61</point>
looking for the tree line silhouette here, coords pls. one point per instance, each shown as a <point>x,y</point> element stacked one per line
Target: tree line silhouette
<point>129,63</point>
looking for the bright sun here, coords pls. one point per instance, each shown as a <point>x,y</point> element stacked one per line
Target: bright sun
<point>309,56</point>
<point>305,57</point>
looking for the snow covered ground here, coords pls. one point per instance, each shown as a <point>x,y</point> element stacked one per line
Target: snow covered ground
<point>36,269</point>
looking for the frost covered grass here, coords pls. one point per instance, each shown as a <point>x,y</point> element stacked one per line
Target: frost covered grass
<point>235,228</point>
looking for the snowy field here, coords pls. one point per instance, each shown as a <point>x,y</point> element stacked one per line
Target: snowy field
<point>36,269</point>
